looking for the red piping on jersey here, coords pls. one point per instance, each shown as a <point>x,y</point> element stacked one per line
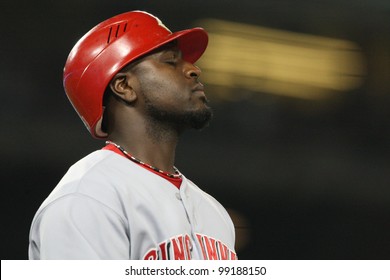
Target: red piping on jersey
<point>175,181</point>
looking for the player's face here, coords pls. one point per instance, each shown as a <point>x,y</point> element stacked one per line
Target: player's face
<point>170,90</point>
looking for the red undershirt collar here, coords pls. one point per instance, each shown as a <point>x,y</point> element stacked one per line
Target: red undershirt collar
<point>175,181</point>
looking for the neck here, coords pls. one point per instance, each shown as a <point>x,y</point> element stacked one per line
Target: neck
<point>151,143</point>
<point>175,175</point>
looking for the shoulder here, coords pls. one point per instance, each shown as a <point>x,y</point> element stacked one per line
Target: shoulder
<point>92,164</point>
<point>88,179</point>
<point>88,173</point>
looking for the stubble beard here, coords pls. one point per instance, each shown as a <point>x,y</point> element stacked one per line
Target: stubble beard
<point>164,121</point>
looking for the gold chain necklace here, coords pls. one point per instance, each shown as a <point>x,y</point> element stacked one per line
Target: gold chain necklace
<point>136,160</point>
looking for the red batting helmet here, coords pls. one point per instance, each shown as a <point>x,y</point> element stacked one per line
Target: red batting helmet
<point>110,46</point>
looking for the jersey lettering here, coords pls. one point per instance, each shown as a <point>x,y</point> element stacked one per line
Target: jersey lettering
<point>163,251</point>
<point>151,255</point>
<point>213,249</point>
<point>180,248</point>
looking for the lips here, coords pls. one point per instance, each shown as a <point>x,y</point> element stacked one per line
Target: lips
<point>198,88</point>
<point>198,91</point>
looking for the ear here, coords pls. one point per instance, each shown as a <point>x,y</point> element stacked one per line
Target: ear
<point>122,87</point>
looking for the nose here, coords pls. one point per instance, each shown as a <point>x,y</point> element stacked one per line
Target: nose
<point>192,71</point>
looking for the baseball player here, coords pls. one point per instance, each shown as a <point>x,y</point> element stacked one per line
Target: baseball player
<point>134,84</point>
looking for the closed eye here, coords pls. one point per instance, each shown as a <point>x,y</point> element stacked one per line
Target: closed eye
<point>172,61</point>
<point>171,57</point>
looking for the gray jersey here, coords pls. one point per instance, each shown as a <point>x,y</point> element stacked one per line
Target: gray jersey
<point>108,207</point>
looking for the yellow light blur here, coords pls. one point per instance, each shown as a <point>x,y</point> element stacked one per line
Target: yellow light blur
<point>279,62</point>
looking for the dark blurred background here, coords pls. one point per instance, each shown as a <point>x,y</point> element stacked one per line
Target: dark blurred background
<point>299,149</point>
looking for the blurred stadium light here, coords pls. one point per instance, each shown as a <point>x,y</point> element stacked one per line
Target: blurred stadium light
<point>279,62</point>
